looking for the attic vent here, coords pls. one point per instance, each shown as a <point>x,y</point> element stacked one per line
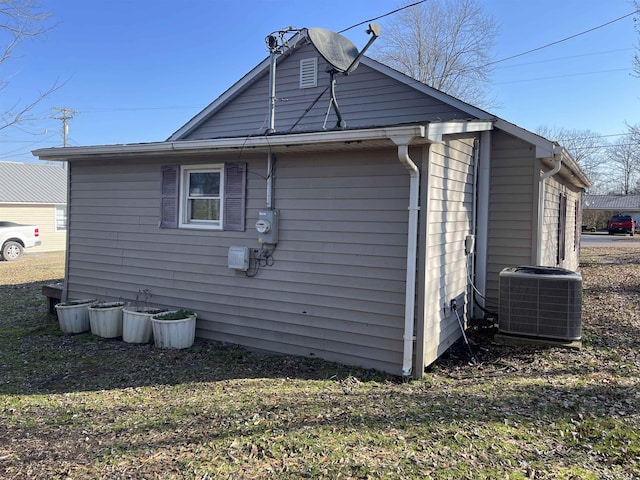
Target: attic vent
<point>308,72</point>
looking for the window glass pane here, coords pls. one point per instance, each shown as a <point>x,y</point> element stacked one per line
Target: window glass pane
<point>204,209</point>
<point>205,184</point>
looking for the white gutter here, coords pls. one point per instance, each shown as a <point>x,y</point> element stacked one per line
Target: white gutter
<point>412,252</point>
<point>557,158</point>
<point>235,143</point>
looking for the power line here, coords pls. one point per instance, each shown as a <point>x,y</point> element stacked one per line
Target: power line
<point>102,110</point>
<point>128,109</point>
<point>561,40</point>
<point>382,16</point>
<point>556,59</point>
<point>550,44</point>
<point>567,75</point>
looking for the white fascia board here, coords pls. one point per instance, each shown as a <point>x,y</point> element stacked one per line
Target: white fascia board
<point>195,146</point>
<point>435,131</point>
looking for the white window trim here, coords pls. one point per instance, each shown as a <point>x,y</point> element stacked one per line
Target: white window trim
<point>183,220</point>
<point>55,218</point>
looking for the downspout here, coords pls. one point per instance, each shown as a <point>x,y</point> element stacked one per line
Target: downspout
<point>412,252</point>
<point>470,250</point>
<point>482,214</point>
<point>65,285</point>
<point>557,158</point>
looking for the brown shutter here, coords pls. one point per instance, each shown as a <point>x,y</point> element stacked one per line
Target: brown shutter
<point>235,184</point>
<point>562,226</point>
<point>170,196</point>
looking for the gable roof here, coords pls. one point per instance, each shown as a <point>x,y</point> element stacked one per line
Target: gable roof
<point>545,150</point>
<point>626,203</point>
<point>32,183</point>
<point>544,147</point>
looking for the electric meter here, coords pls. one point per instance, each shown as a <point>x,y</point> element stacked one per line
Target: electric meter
<point>263,226</point>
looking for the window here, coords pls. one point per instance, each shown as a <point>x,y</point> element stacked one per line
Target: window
<point>201,199</point>
<point>204,196</point>
<point>60,218</point>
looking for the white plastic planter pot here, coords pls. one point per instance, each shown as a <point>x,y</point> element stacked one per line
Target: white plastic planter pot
<point>136,324</point>
<point>173,333</point>
<point>106,319</point>
<point>73,316</point>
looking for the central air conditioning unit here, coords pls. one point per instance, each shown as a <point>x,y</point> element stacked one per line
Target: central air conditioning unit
<point>541,302</point>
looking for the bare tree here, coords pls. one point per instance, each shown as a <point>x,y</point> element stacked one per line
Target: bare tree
<point>444,43</point>
<point>587,148</point>
<point>20,20</point>
<point>624,160</point>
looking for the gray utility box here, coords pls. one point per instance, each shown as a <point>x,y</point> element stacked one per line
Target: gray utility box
<point>541,302</point>
<point>267,227</point>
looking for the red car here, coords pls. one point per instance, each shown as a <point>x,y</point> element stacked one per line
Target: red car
<point>621,224</point>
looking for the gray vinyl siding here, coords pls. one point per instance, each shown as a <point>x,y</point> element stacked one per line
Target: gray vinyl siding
<point>335,290</point>
<point>555,186</point>
<point>367,98</point>
<point>449,212</point>
<point>512,206</point>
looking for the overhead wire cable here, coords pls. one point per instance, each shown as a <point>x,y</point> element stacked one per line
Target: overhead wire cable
<point>101,110</point>
<point>570,37</point>
<point>382,16</point>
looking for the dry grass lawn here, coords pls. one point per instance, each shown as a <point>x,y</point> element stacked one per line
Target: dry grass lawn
<point>82,407</point>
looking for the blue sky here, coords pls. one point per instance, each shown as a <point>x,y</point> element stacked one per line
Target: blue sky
<point>137,70</point>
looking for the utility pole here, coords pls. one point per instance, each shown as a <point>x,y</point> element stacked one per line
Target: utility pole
<point>66,114</point>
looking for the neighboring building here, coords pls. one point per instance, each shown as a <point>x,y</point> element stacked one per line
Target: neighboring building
<point>34,193</point>
<point>599,208</point>
<point>381,224</point>
<point>614,203</point>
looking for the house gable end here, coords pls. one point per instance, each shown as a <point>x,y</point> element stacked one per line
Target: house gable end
<point>368,97</point>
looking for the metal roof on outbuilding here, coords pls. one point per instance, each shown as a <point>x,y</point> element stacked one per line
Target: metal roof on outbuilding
<point>626,203</point>
<point>32,183</point>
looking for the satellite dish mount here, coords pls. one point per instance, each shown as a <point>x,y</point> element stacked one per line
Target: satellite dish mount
<point>342,56</point>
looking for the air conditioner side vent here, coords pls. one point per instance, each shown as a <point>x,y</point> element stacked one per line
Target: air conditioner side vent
<point>541,302</point>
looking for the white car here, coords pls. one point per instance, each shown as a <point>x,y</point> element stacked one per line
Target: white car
<point>14,238</point>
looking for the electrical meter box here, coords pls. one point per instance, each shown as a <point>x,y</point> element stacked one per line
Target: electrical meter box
<point>267,227</point>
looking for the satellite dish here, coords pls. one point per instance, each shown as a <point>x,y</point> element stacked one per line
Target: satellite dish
<point>342,55</point>
<point>338,51</point>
